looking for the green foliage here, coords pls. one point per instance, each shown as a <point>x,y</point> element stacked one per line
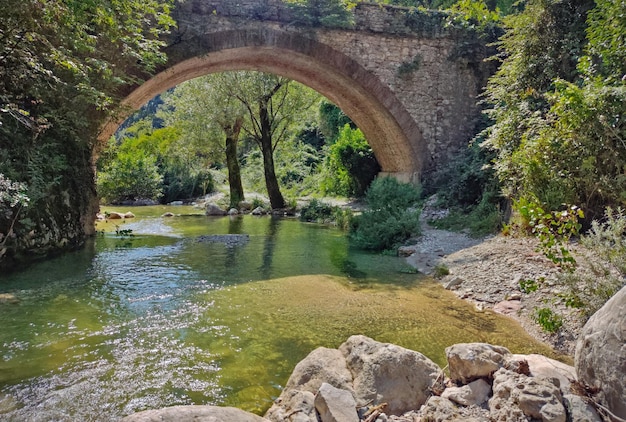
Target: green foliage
<point>550,321</point>
<point>474,14</point>
<point>557,102</point>
<point>468,186</point>
<point>528,286</point>
<point>316,211</point>
<point>391,217</point>
<point>407,68</point>
<point>553,230</point>
<point>63,65</point>
<point>325,13</point>
<point>131,176</point>
<point>351,165</point>
<point>332,120</point>
<point>440,271</point>
<point>606,241</point>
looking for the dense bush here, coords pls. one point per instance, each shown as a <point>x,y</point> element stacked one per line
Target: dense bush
<point>130,177</point>
<point>558,102</point>
<point>469,187</point>
<point>391,217</point>
<point>607,243</point>
<point>316,211</point>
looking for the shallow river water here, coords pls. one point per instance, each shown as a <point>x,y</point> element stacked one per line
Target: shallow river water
<point>176,315</point>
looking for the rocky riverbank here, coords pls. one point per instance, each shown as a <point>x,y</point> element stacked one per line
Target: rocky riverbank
<point>488,271</point>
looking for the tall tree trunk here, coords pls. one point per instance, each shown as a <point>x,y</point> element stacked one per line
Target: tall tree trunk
<point>232,162</point>
<point>271,182</point>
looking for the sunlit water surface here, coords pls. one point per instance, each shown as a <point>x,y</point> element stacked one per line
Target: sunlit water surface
<point>164,318</point>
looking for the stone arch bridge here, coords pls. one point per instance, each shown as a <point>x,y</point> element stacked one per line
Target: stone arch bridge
<point>408,82</point>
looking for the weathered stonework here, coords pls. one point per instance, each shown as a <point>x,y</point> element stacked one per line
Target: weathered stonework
<point>408,81</point>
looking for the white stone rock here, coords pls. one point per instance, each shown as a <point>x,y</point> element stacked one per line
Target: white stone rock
<point>293,406</point>
<point>542,366</point>
<point>233,211</point>
<point>258,211</point>
<point>335,405</point>
<point>600,359</point>
<point>194,413</point>
<point>475,393</point>
<point>322,365</point>
<point>517,397</point>
<point>386,373</point>
<point>470,361</point>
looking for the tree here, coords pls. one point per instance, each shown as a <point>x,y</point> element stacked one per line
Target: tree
<point>273,104</point>
<point>206,113</point>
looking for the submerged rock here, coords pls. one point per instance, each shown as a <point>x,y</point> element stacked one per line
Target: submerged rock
<point>229,240</point>
<point>213,209</point>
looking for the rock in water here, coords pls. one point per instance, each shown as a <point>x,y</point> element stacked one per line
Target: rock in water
<point>600,358</point>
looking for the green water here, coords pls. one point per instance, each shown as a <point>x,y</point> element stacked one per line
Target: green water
<point>163,319</point>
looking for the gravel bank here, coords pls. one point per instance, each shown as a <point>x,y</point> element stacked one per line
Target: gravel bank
<point>487,272</point>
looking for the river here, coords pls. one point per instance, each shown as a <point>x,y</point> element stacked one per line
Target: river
<point>209,310</point>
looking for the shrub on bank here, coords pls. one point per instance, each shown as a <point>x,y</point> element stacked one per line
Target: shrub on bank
<point>391,218</point>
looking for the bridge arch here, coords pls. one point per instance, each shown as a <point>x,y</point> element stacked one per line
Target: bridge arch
<point>390,130</point>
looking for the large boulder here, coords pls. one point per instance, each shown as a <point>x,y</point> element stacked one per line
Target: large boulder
<point>194,414</point>
<point>470,361</point>
<point>296,402</point>
<point>386,373</point>
<point>600,358</point>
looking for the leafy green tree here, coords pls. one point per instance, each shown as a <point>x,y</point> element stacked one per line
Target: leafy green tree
<point>208,115</point>
<point>542,153</point>
<point>351,165</point>
<point>274,105</point>
<point>131,176</point>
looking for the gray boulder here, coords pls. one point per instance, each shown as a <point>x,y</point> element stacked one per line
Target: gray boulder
<point>517,397</point>
<point>194,414</point>
<point>386,373</point>
<point>600,358</point>
<point>213,209</point>
<point>296,402</point>
<point>470,361</point>
<point>335,405</point>
<point>258,211</point>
